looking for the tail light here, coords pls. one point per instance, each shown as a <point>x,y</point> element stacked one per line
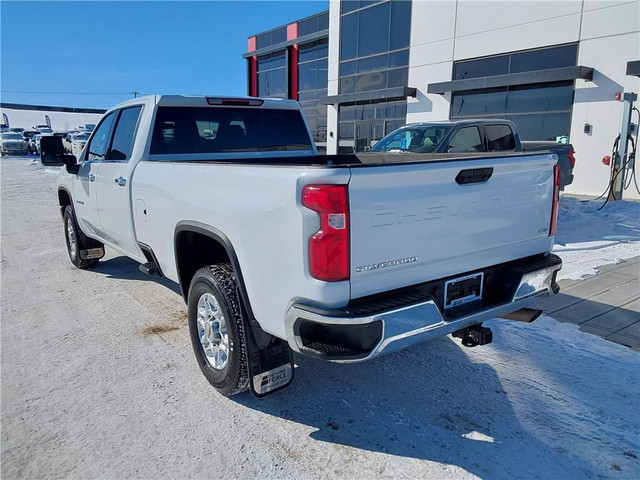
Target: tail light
<point>329,246</point>
<point>556,199</point>
<point>572,158</point>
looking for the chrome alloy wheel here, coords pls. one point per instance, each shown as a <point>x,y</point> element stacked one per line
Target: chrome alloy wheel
<point>73,242</point>
<point>212,331</point>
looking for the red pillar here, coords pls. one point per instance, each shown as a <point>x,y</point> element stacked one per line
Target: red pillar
<point>253,67</point>
<point>292,34</point>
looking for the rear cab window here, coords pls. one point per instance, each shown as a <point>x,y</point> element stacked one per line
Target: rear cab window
<point>499,138</point>
<point>185,130</point>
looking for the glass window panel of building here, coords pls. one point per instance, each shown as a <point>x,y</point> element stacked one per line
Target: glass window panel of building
<point>272,75</point>
<point>273,37</point>
<point>362,125</point>
<point>369,31</point>
<point>312,86</point>
<point>516,62</point>
<point>313,24</point>
<point>374,55</point>
<point>540,111</point>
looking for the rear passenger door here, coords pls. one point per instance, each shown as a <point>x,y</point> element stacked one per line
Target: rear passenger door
<point>114,189</point>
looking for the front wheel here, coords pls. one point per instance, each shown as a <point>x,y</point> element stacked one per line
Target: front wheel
<point>217,330</point>
<point>74,240</point>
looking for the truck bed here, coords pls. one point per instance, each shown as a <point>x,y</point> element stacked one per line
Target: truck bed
<point>418,216</point>
<point>401,207</point>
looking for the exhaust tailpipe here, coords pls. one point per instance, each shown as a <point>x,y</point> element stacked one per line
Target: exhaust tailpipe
<point>526,315</point>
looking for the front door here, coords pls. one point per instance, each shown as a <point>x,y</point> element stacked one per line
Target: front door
<point>85,191</point>
<point>114,189</point>
<point>86,198</point>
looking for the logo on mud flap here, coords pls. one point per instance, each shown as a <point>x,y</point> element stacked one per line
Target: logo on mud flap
<point>276,378</point>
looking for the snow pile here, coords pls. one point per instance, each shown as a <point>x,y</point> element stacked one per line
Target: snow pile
<point>587,238</point>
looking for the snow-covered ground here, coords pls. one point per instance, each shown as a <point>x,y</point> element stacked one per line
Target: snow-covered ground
<point>587,238</point>
<point>104,399</point>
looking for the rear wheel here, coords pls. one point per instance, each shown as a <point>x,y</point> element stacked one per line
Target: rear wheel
<point>73,238</point>
<point>217,330</point>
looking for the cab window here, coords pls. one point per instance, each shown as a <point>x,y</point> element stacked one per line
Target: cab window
<point>99,143</point>
<point>499,138</point>
<point>122,144</point>
<point>467,139</point>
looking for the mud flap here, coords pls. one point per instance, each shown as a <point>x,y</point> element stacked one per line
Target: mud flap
<point>270,368</point>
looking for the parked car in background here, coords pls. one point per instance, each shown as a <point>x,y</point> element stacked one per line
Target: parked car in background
<point>37,138</point>
<point>76,142</point>
<point>27,135</point>
<point>66,140</point>
<point>45,130</point>
<point>565,153</point>
<point>12,143</point>
<point>34,144</point>
<point>19,130</point>
<point>471,136</point>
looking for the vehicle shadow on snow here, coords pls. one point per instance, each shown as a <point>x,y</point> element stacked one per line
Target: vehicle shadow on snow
<point>124,268</point>
<point>430,403</point>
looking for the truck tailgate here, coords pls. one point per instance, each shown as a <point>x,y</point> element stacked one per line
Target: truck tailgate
<point>412,223</point>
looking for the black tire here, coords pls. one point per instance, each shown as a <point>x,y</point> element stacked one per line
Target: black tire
<point>220,282</point>
<point>73,248</point>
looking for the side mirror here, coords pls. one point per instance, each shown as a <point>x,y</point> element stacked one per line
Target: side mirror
<point>50,151</point>
<point>71,163</point>
<point>52,154</point>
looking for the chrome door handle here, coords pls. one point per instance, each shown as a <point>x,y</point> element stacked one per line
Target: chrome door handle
<point>121,181</point>
<point>91,177</point>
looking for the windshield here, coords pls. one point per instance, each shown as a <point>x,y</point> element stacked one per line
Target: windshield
<point>83,137</point>
<point>218,130</point>
<point>413,138</point>
<point>11,136</point>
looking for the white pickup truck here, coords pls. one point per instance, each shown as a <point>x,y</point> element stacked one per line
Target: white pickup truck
<point>276,248</point>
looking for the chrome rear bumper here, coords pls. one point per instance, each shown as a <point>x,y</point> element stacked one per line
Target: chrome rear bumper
<point>320,333</point>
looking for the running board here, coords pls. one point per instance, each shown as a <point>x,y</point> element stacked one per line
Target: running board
<point>150,268</point>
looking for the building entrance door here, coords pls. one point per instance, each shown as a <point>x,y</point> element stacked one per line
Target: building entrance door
<point>368,132</point>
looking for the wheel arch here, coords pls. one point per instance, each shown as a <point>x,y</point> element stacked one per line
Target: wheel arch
<point>197,245</point>
<point>64,199</point>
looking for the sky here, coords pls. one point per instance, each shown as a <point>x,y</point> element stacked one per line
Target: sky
<point>94,54</point>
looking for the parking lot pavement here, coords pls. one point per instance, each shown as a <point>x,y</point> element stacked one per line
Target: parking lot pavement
<point>606,304</point>
<point>98,380</point>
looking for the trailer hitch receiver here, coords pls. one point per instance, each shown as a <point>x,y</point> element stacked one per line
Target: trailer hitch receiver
<point>474,335</point>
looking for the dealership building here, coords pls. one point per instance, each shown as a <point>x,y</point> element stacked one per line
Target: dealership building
<point>363,68</point>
